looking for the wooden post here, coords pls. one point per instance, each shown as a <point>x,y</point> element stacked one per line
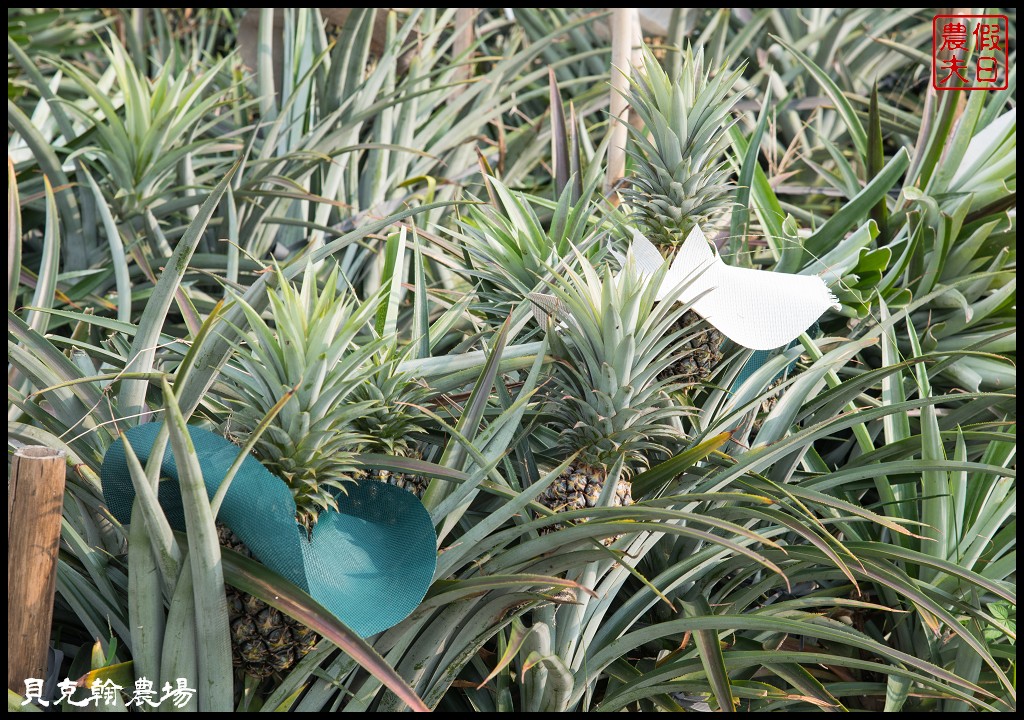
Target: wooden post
<point>622,41</point>
<point>465,36</point>
<point>35,502</point>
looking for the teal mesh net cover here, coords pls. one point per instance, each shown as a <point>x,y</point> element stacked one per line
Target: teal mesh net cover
<point>370,563</point>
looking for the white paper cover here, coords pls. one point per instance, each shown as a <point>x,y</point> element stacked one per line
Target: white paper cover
<point>757,309</point>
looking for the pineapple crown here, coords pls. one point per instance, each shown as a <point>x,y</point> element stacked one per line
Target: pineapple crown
<point>613,344</point>
<point>680,178</point>
<point>392,419</point>
<point>303,374</point>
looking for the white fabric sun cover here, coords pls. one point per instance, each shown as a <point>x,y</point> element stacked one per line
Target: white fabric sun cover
<point>757,309</point>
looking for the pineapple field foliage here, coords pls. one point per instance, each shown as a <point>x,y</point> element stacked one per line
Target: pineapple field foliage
<point>334,270</point>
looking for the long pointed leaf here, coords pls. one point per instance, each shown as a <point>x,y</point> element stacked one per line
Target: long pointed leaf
<point>132,398</point>
<point>215,673</point>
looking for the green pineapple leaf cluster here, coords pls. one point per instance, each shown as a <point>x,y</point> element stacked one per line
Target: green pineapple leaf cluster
<point>614,342</point>
<point>315,353</point>
<point>508,248</point>
<point>679,176</point>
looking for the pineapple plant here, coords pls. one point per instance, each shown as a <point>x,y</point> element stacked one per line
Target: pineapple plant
<point>312,357</point>
<point>609,402</point>
<point>680,179</point>
<point>507,250</point>
<point>392,421</point>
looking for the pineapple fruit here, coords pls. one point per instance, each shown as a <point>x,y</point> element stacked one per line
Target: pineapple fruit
<point>264,641</point>
<point>680,179</point>
<point>580,487</point>
<point>416,484</point>
<point>610,404</point>
<point>703,349</point>
<point>312,357</point>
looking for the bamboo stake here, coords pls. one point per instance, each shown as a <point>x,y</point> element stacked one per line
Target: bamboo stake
<point>35,500</point>
<point>465,36</point>
<point>636,58</point>
<point>622,40</point>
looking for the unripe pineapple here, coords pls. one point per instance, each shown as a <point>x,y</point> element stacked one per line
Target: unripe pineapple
<point>416,484</point>
<point>680,179</point>
<point>609,402</point>
<point>702,349</point>
<point>312,357</point>
<point>769,402</point>
<point>580,487</point>
<point>264,640</point>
